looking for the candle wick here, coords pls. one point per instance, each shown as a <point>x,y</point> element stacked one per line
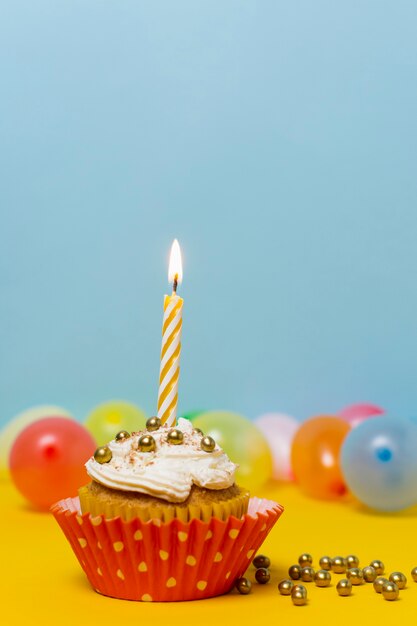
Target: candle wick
<point>175,284</point>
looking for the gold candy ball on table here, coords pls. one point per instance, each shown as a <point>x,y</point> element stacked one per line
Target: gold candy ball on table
<point>305,559</point>
<point>352,561</point>
<point>379,582</point>
<point>307,574</point>
<point>146,443</point>
<point>344,587</point>
<point>153,423</point>
<point>285,587</point>
<point>294,572</point>
<point>103,455</point>
<point>322,578</point>
<point>369,574</point>
<point>339,564</point>
<point>122,435</point>
<point>378,566</point>
<point>262,575</point>
<point>207,444</point>
<point>175,436</point>
<point>198,431</point>
<point>414,574</point>
<point>299,595</point>
<point>355,575</point>
<point>261,560</point>
<point>243,585</point>
<point>326,562</point>
<point>399,579</point>
<point>390,591</point>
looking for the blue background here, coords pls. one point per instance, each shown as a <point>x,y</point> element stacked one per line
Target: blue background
<point>276,140</point>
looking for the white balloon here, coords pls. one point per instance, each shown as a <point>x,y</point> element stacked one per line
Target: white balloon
<point>13,428</point>
<point>279,430</point>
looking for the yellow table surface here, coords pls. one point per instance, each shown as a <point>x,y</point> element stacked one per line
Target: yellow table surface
<point>42,582</point>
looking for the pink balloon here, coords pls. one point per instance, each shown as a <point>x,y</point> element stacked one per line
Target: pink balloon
<point>279,430</point>
<point>354,414</point>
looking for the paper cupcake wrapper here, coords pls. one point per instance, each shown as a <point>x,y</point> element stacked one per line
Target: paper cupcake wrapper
<point>155,561</point>
<point>236,506</point>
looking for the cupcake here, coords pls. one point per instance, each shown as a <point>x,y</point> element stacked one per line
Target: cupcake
<point>162,518</point>
<point>164,473</point>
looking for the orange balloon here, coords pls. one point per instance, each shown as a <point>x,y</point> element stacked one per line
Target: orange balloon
<point>315,456</point>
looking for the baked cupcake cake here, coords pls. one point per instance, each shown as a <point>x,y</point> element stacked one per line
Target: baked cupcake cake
<point>162,518</point>
<point>163,473</point>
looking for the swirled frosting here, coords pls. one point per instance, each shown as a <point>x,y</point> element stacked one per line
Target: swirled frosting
<point>167,473</point>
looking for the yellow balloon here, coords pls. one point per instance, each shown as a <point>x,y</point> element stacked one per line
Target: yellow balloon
<point>106,419</point>
<point>13,428</point>
<point>243,442</point>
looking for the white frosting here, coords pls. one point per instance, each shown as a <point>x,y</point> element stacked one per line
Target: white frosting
<point>167,473</point>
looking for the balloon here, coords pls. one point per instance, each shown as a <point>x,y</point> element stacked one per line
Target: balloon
<point>191,415</point>
<point>242,442</point>
<point>379,463</point>
<point>47,460</point>
<point>106,419</point>
<point>279,430</point>
<point>354,414</point>
<point>9,433</point>
<point>315,456</point>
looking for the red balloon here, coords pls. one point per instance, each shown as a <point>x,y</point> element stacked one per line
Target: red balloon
<point>315,456</point>
<point>47,460</point>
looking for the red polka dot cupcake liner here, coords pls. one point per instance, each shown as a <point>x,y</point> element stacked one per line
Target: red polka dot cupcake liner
<point>164,562</point>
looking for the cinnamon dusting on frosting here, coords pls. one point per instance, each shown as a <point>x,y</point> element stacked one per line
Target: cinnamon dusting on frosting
<point>168,472</point>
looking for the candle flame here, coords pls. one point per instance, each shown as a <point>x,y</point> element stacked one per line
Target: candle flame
<point>175,263</point>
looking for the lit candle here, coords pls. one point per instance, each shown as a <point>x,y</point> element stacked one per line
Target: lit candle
<point>171,343</point>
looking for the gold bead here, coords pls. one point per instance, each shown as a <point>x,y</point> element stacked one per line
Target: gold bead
<point>285,587</point>
<point>262,575</point>
<point>198,431</point>
<point>390,591</point>
<point>243,585</point>
<point>307,574</point>
<point>299,595</point>
<point>294,572</point>
<point>322,578</point>
<point>122,435</point>
<point>378,566</point>
<point>369,574</point>
<point>344,587</point>
<point>261,560</point>
<point>352,561</point>
<point>305,559</point>
<point>379,582</point>
<point>414,574</point>
<point>153,423</point>
<point>339,564</point>
<point>175,436</point>
<point>146,443</point>
<point>399,579</point>
<point>325,562</point>
<point>207,444</point>
<point>103,455</point>
<point>355,575</point>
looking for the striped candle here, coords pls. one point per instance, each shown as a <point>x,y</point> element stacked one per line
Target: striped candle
<point>171,344</point>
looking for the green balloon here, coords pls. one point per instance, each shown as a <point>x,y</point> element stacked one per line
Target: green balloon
<point>191,415</point>
<point>243,442</point>
<point>107,419</point>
